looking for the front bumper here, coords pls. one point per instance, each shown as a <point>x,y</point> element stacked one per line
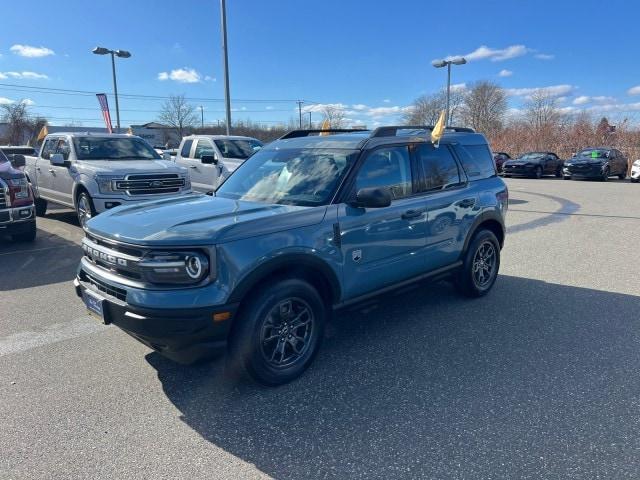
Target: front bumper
<point>590,171</point>
<point>184,335</point>
<point>521,170</point>
<point>17,220</point>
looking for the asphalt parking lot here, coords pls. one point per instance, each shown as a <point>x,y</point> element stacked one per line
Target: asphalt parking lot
<point>537,380</point>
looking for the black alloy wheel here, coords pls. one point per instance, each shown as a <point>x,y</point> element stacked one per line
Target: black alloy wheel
<point>481,265</point>
<point>538,173</point>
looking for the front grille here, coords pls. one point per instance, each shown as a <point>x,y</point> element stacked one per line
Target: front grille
<point>3,197</point>
<point>151,184</point>
<point>118,247</point>
<point>104,287</point>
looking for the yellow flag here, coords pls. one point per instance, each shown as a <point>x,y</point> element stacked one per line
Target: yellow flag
<point>130,131</point>
<point>325,126</point>
<point>43,133</point>
<point>438,129</point>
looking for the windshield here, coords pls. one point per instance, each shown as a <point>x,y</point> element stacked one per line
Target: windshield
<point>532,155</point>
<point>3,157</point>
<point>306,177</point>
<point>240,149</point>
<point>594,153</point>
<point>113,148</point>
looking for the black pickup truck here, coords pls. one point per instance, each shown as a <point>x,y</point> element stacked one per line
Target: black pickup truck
<point>17,213</point>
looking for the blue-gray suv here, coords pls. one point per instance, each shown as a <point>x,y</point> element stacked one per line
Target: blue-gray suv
<point>313,222</point>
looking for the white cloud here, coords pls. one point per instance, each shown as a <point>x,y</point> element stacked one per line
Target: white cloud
<point>31,52</point>
<point>634,90</point>
<point>359,107</point>
<point>600,99</point>
<point>209,78</point>
<point>386,100</point>
<point>544,56</point>
<point>28,101</point>
<point>8,101</point>
<point>505,73</point>
<point>581,100</point>
<point>22,75</point>
<point>494,54</point>
<point>181,75</point>
<point>458,87</point>
<point>553,91</point>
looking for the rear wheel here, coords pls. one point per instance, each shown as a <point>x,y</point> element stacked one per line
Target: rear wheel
<point>566,177</point>
<point>279,332</point>
<point>481,264</point>
<point>84,208</point>
<point>622,176</point>
<point>559,171</point>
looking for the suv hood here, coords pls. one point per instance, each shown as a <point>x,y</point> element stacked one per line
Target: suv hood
<point>115,167</point>
<point>198,220</point>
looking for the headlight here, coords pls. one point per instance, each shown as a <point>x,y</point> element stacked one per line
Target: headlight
<point>187,182</point>
<point>19,187</point>
<point>188,267</point>
<point>106,183</point>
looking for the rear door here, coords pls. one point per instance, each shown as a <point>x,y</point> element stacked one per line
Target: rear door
<point>383,246</point>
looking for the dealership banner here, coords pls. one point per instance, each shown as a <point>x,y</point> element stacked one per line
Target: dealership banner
<point>104,106</point>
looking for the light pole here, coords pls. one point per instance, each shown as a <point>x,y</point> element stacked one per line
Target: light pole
<point>225,65</point>
<point>448,63</point>
<point>114,53</point>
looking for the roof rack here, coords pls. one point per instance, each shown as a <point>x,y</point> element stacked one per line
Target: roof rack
<point>309,132</point>
<point>392,131</point>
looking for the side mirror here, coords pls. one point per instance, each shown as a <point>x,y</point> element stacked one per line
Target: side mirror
<point>373,197</point>
<point>58,160</point>
<point>166,156</point>
<point>18,161</point>
<point>209,159</point>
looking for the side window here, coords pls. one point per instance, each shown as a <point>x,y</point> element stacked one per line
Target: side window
<point>476,161</point>
<point>63,148</point>
<point>203,147</point>
<point>186,148</point>
<point>387,167</point>
<point>439,167</point>
<point>49,147</point>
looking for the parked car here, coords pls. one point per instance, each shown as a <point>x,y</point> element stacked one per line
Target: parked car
<point>307,225</point>
<point>95,172</point>
<point>11,150</point>
<point>17,213</point>
<point>635,171</point>
<point>600,163</point>
<point>533,164</point>
<point>211,158</point>
<point>500,158</point>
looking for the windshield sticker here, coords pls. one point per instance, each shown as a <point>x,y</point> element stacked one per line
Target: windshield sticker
<point>594,154</point>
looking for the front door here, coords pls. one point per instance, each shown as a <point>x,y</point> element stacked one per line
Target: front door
<point>63,178</point>
<point>383,246</point>
<point>207,173</point>
<point>44,170</point>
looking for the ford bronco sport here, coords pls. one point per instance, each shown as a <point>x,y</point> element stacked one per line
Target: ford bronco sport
<point>308,224</point>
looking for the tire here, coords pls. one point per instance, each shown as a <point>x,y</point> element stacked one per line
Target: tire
<point>634,180</point>
<point>558,172</point>
<point>566,177</point>
<point>261,342</point>
<point>28,236</point>
<point>506,175</point>
<point>39,203</point>
<point>622,176</point>
<point>605,175</point>
<point>84,208</point>
<point>469,280</point>
<point>538,173</point>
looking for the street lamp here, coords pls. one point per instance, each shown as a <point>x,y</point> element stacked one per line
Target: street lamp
<point>114,53</point>
<point>448,63</point>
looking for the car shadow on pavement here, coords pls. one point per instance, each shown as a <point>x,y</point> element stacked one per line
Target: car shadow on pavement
<point>534,380</point>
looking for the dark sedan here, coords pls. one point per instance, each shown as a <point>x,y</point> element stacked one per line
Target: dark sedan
<point>533,164</point>
<point>600,163</point>
<point>499,158</point>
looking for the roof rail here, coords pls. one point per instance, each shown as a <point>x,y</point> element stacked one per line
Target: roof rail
<point>392,131</point>
<point>309,132</point>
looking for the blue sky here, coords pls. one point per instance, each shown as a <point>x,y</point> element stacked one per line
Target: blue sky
<point>371,58</point>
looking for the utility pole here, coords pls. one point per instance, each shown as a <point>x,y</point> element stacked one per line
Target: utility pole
<point>201,116</point>
<point>225,65</point>
<point>310,121</point>
<point>300,102</point>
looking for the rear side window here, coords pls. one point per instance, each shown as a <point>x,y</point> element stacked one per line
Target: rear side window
<point>439,167</point>
<point>476,161</point>
<point>186,148</point>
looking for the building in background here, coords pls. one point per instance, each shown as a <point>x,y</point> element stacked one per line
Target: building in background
<point>157,134</point>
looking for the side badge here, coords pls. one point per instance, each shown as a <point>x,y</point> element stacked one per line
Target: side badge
<point>356,255</point>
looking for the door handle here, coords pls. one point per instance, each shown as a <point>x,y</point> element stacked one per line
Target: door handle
<point>409,214</point>
<point>51,170</point>
<point>467,203</point>
<point>38,168</point>
<point>192,166</point>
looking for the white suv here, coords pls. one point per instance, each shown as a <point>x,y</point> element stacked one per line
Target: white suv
<point>211,158</point>
<point>635,171</point>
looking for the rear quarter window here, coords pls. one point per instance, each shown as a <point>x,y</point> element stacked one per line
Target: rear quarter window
<point>476,161</point>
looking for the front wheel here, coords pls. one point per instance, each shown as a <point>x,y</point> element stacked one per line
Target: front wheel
<point>84,208</point>
<point>622,176</point>
<point>559,172</point>
<point>279,332</point>
<point>566,177</point>
<point>481,264</point>
<point>634,180</point>
<point>605,175</point>
<point>538,173</point>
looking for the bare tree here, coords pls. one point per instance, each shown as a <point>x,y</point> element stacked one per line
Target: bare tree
<point>484,108</point>
<point>541,110</point>
<point>179,114</point>
<point>17,118</point>
<point>334,115</point>
<point>425,110</point>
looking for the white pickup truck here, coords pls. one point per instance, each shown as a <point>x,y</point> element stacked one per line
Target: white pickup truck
<point>95,172</point>
<point>211,158</point>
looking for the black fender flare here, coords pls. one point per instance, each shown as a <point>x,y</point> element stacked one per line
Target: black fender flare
<point>487,216</point>
<point>290,261</point>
